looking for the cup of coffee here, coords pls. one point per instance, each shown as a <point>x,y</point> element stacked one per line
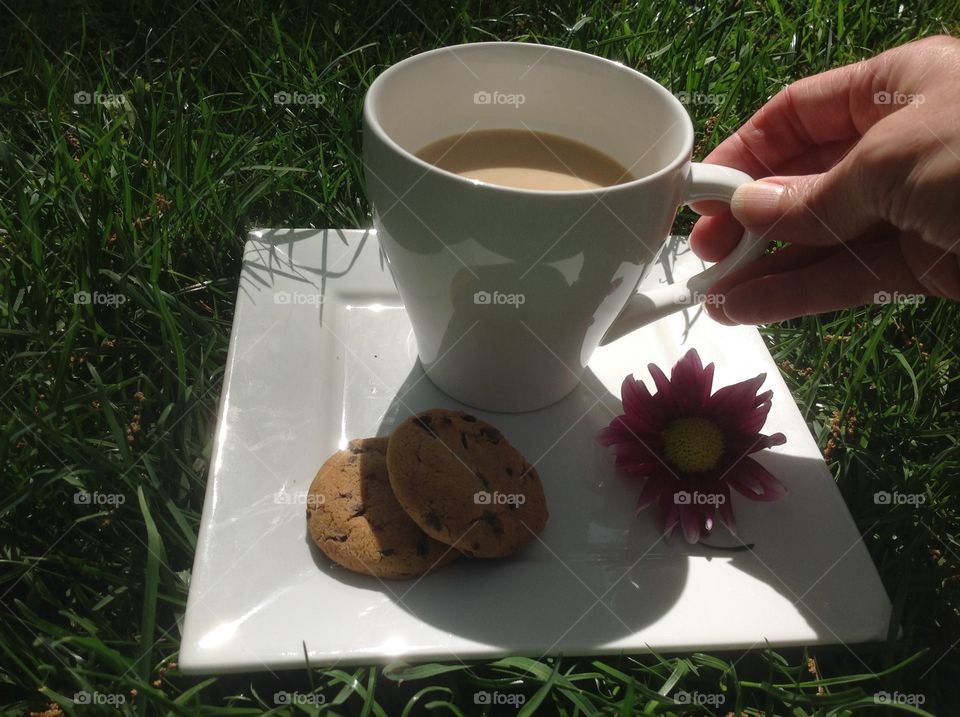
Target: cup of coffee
<point>520,193</point>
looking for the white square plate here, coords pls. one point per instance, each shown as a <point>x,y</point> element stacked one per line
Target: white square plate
<point>322,351</point>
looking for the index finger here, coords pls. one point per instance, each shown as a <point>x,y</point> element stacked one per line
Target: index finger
<point>834,106</point>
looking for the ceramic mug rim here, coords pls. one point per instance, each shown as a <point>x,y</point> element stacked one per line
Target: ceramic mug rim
<point>371,110</point>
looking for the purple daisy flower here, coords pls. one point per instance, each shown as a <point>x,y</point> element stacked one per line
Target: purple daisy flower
<point>692,446</point>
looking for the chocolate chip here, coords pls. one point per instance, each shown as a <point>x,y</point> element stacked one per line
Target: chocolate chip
<point>423,422</point>
<point>434,520</point>
<point>357,509</point>
<point>387,552</point>
<point>337,538</point>
<point>492,520</point>
<point>468,417</point>
<point>345,494</point>
<point>482,478</point>
<point>509,471</point>
<point>491,434</point>
<point>447,421</point>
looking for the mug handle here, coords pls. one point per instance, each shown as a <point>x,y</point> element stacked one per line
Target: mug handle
<point>705,181</point>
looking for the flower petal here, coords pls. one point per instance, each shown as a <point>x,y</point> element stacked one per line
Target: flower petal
<point>741,446</point>
<point>734,400</point>
<point>725,509</point>
<point>622,430</point>
<point>616,432</point>
<point>763,397</point>
<point>635,454</point>
<point>690,522</point>
<point>755,482</point>
<point>669,514</point>
<point>639,470</point>
<point>653,488</point>
<point>750,421</point>
<point>774,439</point>
<point>664,396</point>
<point>691,383</point>
<point>643,411</point>
<point>624,441</point>
<point>669,531</point>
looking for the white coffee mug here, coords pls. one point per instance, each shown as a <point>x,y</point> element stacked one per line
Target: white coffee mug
<point>510,291</point>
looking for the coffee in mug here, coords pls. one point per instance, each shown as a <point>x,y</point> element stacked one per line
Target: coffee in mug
<point>525,159</point>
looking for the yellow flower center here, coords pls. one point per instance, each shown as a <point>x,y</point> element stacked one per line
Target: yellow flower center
<point>693,443</point>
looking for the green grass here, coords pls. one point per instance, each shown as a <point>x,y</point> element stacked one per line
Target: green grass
<point>150,196</point>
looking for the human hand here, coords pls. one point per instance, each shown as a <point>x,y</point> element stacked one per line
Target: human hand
<point>861,170</point>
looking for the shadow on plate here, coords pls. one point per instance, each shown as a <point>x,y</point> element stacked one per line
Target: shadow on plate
<point>597,573</point>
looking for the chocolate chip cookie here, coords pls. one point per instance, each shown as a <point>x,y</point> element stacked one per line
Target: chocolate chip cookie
<point>464,484</point>
<point>357,522</point>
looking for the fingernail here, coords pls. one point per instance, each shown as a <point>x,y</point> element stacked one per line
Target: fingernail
<point>757,203</point>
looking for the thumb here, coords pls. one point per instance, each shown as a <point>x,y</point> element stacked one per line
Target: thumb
<point>813,209</point>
